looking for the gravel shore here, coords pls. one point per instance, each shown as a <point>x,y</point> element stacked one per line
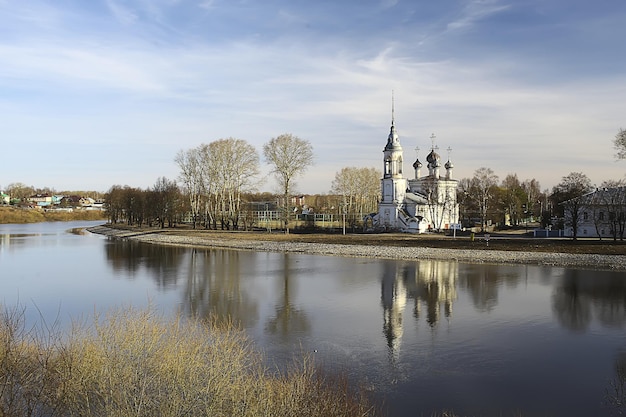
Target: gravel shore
<point>593,261</point>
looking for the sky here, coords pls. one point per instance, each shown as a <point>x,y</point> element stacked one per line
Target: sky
<point>106,92</point>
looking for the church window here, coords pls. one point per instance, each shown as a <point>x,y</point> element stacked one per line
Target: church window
<point>601,216</point>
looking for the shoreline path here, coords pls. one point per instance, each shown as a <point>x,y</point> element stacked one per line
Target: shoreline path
<point>589,261</point>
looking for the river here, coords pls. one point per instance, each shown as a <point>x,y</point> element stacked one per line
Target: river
<point>479,339</point>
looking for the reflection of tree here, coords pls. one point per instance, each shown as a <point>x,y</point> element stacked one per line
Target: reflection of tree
<point>569,304</point>
<point>161,262</point>
<point>482,282</point>
<point>213,287</point>
<point>288,319</point>
<point>582,294</point>
<point>615,397</point>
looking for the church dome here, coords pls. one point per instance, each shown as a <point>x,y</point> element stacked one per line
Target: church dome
<point>449,165</point>
<point>417,164</point>
<point>393,144</point>
<point>433,157</point>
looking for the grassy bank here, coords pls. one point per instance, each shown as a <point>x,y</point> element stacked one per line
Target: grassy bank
<point>20,216</point>
<point>139,363</point>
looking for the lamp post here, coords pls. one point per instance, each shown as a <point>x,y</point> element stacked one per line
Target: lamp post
<point>343,213</point>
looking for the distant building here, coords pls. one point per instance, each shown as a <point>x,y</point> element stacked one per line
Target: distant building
<point>4,198</point>
<point>601,213</point>
<point>76,201</point>
<point>415,205</point>
<point>41,200</point>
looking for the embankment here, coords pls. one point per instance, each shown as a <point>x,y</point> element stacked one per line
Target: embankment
<point>593,261</point>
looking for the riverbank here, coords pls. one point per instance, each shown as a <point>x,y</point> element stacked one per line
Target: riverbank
<point>500,250</point>
<point>13,215</point>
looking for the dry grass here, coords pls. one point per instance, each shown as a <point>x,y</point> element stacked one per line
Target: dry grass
<point>12,215</point>
<point>137,363</point>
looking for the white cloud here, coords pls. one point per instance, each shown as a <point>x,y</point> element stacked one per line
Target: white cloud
<point>388,4</point>
<point>123,14</point>
<point>207,4</point>
<point>122,90</point>
<point>474,11</point>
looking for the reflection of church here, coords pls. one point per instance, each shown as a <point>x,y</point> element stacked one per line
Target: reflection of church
<point>415,205</point>
<point>431,285</point>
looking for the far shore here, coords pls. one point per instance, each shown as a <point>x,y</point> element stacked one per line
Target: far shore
<point>601,255</point>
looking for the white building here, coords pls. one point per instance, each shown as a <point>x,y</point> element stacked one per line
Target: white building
<point>601,213</point>
<point>419,204</point>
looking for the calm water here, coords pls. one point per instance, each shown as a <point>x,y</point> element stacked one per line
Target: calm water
<point>484,340</point>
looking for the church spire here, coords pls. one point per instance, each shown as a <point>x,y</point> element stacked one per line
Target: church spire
<point>392,140</point>
<point>392,110</point>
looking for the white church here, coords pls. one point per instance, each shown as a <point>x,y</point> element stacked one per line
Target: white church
<point>424,203</point>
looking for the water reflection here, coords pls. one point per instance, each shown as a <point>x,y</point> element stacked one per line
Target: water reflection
<point>213,287</point>
<point>615,398</point>
<point>129,258</point>
<point>288,320</point>
<point>507,349</point>
<point>483,281</point>
<point>579,296</point>
<point>430,284</point>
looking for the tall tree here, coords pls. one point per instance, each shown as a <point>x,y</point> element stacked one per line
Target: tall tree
<point>289,157</point>
<point>565,196</point>
<point>360,189</point>
<point>532,189</point>
<point>191,178</point>
<point>482,189</point>
<point>114,203</point>
<point>233,165</point>
<point>512,197</point>
<point>620,144</point>
<point>165,201</point>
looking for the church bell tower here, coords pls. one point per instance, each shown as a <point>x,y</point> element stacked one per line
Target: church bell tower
<point>393,183</point>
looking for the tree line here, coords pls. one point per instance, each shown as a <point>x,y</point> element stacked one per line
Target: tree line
<point>218,179</point>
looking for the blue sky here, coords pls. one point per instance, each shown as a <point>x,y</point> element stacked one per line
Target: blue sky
<point>103,92</point>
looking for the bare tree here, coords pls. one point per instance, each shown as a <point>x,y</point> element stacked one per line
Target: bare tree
<point>289,157</point>
<point>482,188</point>
<point>620,144</point>
<point>165,201</point>
<point>512,197</point>
<point>208,178</point>
<point>191,178</point>
<point>19,191</point>
<point>566,195</point>
<point>610,203</point>
<point>233,165</point>
<point>360,188</point>
<point>113,203</point>
<point>215,176</point>
<point>532,189</point>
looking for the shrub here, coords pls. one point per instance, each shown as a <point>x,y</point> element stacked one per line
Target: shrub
<point>136,362</point>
